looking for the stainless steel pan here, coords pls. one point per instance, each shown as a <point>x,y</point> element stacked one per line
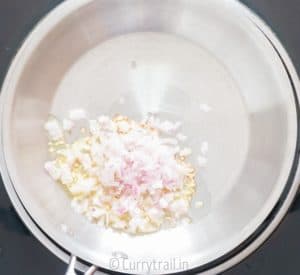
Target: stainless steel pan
<point>167,57</point>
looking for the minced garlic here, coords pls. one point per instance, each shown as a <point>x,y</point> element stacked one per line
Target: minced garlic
<point>121,173</point>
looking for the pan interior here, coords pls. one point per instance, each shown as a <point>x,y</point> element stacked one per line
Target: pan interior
<point>166,57</point>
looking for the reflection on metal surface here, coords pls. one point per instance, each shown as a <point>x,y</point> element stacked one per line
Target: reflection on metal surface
<point>253,126</point>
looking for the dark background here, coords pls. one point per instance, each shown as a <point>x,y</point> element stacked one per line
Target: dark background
<point>22,254</point>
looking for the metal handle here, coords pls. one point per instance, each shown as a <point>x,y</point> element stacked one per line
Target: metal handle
<point>71,268</point>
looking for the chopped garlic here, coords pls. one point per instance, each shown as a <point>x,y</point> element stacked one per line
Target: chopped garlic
<point>198,204</point>
<point>163,203</point>
<point>186,221</point>
<point>124,126</point>
<point>86,161</point>
<point>64,228</point>
<point>54,129</point>
<point>119,224</point>
<point>66,175</point>
<point>204,148</point>
<point>185,152</point>
<point>205,108</point>
<point>179,207</point>
<point>202,161</point>
<point>80,206</point>
<point>77,114</point>
<point>68,124</point>
<point>170,141</point>
<point>164,126</point>
<point>125,175</point>
<point>181,137</point>
<point>106,123</point>
<point>52,169</point>
<point>122,100</point>
<point>94,127</point>
<point>83,186</point>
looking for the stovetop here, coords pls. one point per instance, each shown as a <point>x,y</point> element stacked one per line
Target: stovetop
<point>22,254</point>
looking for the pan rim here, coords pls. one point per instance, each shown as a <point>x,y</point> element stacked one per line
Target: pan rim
<point>291,187</point>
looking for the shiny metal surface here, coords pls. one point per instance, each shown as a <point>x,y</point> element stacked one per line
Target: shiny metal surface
<point>80,55</point>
